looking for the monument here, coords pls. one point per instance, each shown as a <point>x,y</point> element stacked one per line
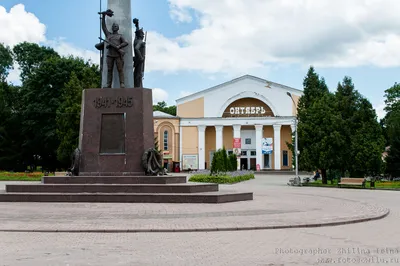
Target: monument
<point>116,160</point>
<point>117,119</point>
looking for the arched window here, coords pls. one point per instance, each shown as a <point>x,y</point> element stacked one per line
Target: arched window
<point>165,140</point>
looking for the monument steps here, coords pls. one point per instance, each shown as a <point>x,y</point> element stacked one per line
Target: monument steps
<point>120,189</point>
<point>114,179</point>
<point>204,197</point>
<point>112,188</point>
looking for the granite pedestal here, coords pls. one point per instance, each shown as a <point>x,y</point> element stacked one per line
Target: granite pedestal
<point>116,129</point>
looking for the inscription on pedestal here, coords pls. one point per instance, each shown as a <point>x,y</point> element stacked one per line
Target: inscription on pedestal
<point>107,102</point>
<point>112,136</point>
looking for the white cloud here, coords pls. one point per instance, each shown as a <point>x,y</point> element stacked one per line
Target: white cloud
<point>180,15</point>
<point>18,26</point>
<point>237,36</point>
<point>159,95</point>
<point>13,75</point>
<point>379,108</point>
<point>66,49</point>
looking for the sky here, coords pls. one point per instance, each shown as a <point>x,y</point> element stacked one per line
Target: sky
<point>196,44</point>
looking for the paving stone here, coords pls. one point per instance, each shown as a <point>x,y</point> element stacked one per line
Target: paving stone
<point>298,246</point>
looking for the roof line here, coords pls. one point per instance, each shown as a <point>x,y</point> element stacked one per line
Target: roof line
<point>237,79</point>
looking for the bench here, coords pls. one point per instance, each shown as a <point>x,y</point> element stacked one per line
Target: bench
<point>352,181</point>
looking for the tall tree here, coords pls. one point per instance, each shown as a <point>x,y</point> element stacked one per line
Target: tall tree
<point>42,97</point>
<point>367,141</point>
<point>68,113</point>
<point>347,99</point>
<point>314,89</point>
<point>29,56</point>
<point>392,126</point>
<point>6,61</point>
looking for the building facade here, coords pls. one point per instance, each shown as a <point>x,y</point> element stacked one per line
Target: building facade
<point>249,116</point>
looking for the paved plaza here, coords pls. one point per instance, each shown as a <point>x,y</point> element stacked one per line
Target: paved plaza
<point>373,242</point>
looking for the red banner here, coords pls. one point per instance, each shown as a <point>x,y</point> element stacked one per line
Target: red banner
<point>237,143</point>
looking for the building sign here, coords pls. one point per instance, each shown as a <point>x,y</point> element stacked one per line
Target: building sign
<point>247,110</point>
<point>190,162</point>
<point>237,143</point>
<point>266,146</point>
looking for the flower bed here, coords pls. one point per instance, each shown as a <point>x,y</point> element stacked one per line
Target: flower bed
<point>204,176</point>
<point>10,176</point>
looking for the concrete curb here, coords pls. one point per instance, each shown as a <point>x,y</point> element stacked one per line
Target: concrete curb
<point>221,229</point>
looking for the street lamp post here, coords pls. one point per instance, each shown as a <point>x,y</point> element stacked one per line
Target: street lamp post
<point>296,143</point>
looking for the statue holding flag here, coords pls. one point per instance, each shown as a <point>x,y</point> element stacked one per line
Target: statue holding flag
<point>139,48</point>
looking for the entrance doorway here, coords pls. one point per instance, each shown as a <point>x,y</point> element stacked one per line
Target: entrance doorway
<point>267,161</point>
<point>243,164</point>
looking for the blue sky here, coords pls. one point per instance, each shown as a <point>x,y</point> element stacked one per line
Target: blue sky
<point>193,45</point>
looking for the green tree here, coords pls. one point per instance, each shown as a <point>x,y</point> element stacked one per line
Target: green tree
<point>392,127</point>
<point>232,158</point>
<point>162,107</point>
<point>43,90</point>
<point>308,115</point>
<point>367,142</point>
<point>69,111</point>
<point>6,61</point>
<point>30,55</point>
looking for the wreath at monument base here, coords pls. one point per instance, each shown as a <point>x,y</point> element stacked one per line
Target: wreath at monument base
<point>152,162</point>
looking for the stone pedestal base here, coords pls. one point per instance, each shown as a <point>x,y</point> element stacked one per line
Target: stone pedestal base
<point>116,129</point>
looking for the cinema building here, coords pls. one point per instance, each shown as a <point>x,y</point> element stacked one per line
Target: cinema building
<point>249,116</point>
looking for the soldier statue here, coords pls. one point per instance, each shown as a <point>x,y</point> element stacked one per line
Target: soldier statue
<point>115,44</point>
<point>139,47</point>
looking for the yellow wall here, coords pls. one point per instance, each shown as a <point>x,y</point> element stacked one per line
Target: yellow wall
<point>191,109</point>
<point>189,140</point>
<point>210,144</point>
<point>286,136</point>
<point>228,137</point>
<point>171,125</point>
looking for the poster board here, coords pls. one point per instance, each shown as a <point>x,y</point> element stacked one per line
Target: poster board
<point>190,161</point>
<point>267,146</point>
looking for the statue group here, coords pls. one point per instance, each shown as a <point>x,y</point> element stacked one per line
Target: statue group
<point>115,44</point>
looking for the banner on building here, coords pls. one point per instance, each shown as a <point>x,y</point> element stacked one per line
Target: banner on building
<point>237,143</point>
<point>267,147</point>
<point>190,161</point>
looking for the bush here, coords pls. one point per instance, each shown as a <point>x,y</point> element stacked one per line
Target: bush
<point>222,163</point>
<point>231,177</point>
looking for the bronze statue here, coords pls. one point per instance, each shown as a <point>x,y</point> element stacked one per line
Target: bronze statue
<point>139,47</point>
<point>115,44</point>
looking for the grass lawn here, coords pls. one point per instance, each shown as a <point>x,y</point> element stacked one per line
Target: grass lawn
<point>378,184</point>
<point>8,176</point>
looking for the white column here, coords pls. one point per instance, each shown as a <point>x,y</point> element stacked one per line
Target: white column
<point>259,135</point>
<point>277,146</point>
<point>236,134</point>
<point>180,146</point>
<point>202,146</point>
<point>219,141</point>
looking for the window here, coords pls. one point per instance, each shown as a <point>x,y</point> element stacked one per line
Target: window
<point>244,153</point>
<point>230,152</point>
<point>247,141</point>
<point>285,160</point>
<point>253,153</point>
<point>165,140</point>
